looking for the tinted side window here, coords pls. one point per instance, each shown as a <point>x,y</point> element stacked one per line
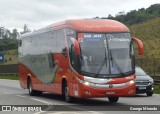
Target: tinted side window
<point>45,43</point>
<point>52,41</point>
<point>60,41</point>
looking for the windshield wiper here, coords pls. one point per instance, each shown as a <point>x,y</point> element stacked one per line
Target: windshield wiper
<point>116,64</point>
<point>102,64</point>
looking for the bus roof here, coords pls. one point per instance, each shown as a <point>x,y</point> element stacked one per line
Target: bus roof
<point>93,25</point>
<point>86,25</point>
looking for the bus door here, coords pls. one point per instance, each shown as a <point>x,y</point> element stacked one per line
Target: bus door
<point>75,67</point>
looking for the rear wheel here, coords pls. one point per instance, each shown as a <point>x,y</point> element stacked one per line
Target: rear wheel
<point>150,93</point>
<point>31,91</point>
<point>113,99</point>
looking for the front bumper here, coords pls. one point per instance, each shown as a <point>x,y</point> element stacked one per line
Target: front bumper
<point>92,92</point>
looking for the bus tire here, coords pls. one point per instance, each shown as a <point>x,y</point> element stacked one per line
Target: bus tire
<point>30,88</point>
<point>67,97</point>
<point>113,99</point>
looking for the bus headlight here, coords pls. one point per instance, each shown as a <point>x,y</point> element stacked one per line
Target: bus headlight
<point>131,82</point>
<point>85,82</point>
<point>88,83</point>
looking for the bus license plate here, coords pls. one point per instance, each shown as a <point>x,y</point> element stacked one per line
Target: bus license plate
<point>110,93</point>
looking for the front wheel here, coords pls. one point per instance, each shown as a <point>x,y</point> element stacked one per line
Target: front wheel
<point>68,98</point>
<point>113,99</point>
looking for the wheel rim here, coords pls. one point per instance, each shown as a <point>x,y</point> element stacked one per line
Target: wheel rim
<point>66,94</point>
<point>30,87</point>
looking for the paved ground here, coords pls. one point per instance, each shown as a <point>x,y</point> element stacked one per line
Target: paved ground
<point>12,94</point>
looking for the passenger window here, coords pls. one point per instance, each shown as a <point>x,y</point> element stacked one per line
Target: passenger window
<point>52,42</point>
<point>60,41</point>
<point>53,35</point>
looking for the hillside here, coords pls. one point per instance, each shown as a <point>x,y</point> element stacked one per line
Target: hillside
<point>149,33</point>
<point>137,16</point>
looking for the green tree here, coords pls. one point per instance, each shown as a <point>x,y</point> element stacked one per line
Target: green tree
<point>25,29</point>
<point>137,16</point>
<point>14,33</point>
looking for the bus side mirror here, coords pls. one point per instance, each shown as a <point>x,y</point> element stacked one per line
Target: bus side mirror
<point>140,45</point>
<point>76,46</point>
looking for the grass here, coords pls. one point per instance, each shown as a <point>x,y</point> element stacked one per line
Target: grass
<point>10,77</point>
<point>157,89</point>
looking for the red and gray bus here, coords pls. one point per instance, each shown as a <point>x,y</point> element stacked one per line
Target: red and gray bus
<point>81,58</point>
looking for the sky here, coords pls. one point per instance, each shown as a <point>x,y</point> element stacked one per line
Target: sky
<point>39,13</point>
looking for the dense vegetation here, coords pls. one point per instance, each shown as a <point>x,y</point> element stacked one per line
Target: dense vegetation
<point>8,38</point>
<point>157,89</point>
<point>8,44</point>
<point>137,16</point>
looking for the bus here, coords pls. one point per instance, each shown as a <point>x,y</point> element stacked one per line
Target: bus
<point>79,58</point>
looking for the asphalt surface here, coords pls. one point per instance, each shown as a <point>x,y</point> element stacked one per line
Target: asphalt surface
<point>11,94</point>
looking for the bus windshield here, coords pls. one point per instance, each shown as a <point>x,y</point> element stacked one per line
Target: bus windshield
<point>107,54</point>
